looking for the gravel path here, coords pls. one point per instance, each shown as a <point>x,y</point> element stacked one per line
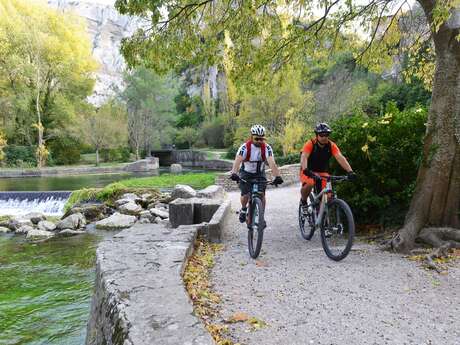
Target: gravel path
<point>371,297</point>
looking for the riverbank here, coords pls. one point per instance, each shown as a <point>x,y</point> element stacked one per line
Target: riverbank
<point>150,164</point>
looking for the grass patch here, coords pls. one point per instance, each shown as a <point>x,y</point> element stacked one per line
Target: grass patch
<point>195,180</point>
<point>140,185</point>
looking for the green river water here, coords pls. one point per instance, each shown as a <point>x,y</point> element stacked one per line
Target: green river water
<point>46,289</point>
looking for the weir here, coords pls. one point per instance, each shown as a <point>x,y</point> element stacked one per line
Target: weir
<point>20,203</point>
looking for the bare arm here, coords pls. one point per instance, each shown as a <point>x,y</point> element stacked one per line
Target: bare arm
<point>304,160</point>
<point>343,162</point>
<point>273,166</point>
<point>237,164</point>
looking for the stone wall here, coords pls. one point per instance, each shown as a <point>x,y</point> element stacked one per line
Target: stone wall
<point>150,164</point>
<point>289,173</point>
<point>139,297</point>
<point>210,164</point>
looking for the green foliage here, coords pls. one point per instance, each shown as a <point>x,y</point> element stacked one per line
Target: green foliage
<point>231,153</point>
<point>213,132</point>
<point>195,180</point>
<point>190,109</point>
<point>292,158</point>
<point>385,152</point>
<point>20,156</point>
<point>404,95</point>
<point>149,99</point>
<point>188,135</point>
<point>121,154</point>
<point>85,194</point>
<point>46,71</point>
<point>139,185</point>
<point>65,151</point>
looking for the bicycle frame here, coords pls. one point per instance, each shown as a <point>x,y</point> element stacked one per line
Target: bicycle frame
<point>323,196</point>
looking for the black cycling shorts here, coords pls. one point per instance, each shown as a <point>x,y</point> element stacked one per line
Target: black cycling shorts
<point>246,187</point>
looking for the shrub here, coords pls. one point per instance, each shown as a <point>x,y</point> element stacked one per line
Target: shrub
<point>65,151</point>
<point>20,156</point>
<point>120,154</point>
<point>213,132</point>
<point>292,158</point>
<point>385,152</point>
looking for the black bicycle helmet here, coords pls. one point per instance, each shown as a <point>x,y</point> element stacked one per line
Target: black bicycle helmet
<point>323,127</point>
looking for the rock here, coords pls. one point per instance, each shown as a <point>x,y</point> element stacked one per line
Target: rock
<point>35,217</point>
<point>175,169</point>
<point>130,196</point>
<point>145,214</point>
<point>16,222</point>
<point>157,220</point>
<point>161,205</point>
<point>147,164</point>
<point>147,196</point>
<point>130,208</point>
<point>5,221</point>
<point>211,192</point>
<point>74,221</point>
<point>159,213</point>
<point>146,217</point>
<point>39,234</point>
<point>116,221</point>
<point>183,192</point>
<point>4,230</point>
<point>69,232</point>
<point>24,229</point>
<point>46,226</point>
<point>181,212</point>
<point>120,202</point>
<point>91,211</point>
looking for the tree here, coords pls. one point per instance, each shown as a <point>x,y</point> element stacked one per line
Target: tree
<point>3,144</point>
<point>264,34</point>
<point>105,127</point>
<point>45,71</point>
<point>188,135</point>
<point>149,99</point>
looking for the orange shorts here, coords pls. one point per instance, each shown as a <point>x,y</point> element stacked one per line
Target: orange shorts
<point>309,181</point>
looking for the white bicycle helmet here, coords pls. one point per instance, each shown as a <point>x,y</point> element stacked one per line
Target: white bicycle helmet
<point>258,130</point>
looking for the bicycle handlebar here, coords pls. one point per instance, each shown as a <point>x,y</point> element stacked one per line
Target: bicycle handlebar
<point>332,178</point>
<point>258,181</point>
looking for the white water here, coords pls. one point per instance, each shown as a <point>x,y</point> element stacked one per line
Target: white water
<point>51,206</point>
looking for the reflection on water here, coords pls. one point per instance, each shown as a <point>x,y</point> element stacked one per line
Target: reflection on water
<point>62,182</point>
<point>45,289</point>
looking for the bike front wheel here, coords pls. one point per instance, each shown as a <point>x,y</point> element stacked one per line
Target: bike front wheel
<point>256,228</point>
<point>337,229</point>
<point>306,220</point>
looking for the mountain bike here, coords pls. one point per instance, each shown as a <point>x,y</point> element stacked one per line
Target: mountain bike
<point>332,216</point>
<point>255,217</point>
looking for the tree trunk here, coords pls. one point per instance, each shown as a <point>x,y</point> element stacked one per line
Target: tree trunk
<point>436,200</point>
<point>97,156</point>
<point>41,150</point>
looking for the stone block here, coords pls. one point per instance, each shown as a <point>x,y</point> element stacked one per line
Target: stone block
<point>181,212</point>
<point>211,192</point>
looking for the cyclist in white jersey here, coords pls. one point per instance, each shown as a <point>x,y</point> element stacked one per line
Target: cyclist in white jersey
<point>250,164</point>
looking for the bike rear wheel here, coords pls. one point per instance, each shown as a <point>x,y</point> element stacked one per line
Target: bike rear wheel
<point>306,221</point>
<point>256,227</point>
<point>337,229</point>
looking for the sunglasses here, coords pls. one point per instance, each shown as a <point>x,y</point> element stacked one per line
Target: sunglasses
<point>259,139</point>
<point>322,135</point>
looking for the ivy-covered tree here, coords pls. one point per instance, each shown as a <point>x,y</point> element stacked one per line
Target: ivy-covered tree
<point>267,35</point>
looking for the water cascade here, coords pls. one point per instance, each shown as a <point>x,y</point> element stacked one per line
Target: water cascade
<point>20,203</point>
